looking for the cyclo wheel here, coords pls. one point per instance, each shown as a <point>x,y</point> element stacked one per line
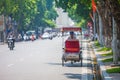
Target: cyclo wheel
<point>71,62</point>
<point>81,62</point>
<point>62,62</point>
<point>80,56</point>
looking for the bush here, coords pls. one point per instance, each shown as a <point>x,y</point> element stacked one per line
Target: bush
<point>105,49</point>
<point>97,44</point>
<point>107,60</point>
<point>113,70</point>
<point>107,54</point>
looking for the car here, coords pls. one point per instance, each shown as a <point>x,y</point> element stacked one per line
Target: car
<point>46,36</point>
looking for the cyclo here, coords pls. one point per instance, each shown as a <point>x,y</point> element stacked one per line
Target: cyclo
<point>72,47</point>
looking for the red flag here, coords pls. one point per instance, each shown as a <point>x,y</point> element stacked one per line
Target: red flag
<point>93,6</point>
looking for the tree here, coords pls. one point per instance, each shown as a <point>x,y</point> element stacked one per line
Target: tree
<point>106,21</point>
<point>30,13</point>
<point>46,14</point>
<point>78,10</point>
<point>109,12</point>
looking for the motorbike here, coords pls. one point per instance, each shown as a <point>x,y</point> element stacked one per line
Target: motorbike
<point>10,43</point>
<point>50,38</point>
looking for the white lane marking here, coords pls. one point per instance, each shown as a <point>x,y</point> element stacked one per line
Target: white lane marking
<point>84,69</point>
<point>10,65</point>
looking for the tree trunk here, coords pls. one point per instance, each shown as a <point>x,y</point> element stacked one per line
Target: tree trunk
<point>109,10</point>
<point>116,14</point>
<point>114,43</point>
<point>94,22</point>
<point>101,31</point>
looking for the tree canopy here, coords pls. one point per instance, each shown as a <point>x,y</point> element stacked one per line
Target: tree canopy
<point>31,13</point>
<point>78,10</point>
<point>105,20</point>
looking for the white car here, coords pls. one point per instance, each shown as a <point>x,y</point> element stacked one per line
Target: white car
<point>46,36</point>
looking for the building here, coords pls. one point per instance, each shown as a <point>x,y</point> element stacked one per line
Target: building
<point>1,28</point>
<point>63,19</point>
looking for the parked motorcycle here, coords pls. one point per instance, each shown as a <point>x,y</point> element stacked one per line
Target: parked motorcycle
<point>50,38</point>
<point>10,43</point>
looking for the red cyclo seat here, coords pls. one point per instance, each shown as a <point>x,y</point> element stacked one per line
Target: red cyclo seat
<point>72,46</point>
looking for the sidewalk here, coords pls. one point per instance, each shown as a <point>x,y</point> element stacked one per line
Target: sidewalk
<point>104,66</point>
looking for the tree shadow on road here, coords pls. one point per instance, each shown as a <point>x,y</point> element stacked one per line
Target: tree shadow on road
<point>73,76</point>
<point>67,64</point>
<point>55,63</point>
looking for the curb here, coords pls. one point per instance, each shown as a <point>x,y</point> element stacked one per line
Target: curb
<point>103,73</point>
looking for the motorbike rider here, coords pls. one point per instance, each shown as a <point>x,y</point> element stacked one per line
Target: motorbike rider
<point>11,36</point>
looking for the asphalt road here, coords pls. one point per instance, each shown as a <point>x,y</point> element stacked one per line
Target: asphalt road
<point>41,60</point>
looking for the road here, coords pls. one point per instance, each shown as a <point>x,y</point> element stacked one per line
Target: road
<point>41,60</point>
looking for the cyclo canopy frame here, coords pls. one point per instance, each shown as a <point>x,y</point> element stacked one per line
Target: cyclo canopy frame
<point>66,29</point>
